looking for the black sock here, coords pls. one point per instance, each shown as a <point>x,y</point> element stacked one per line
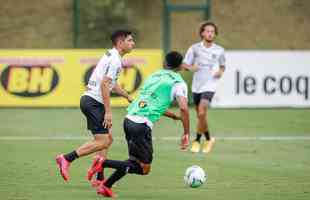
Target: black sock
<point>118,174</point>
<point>100,176</point>
<point>71,156</point>
<point>122,168</point>
<point>198,136</point>
<point>207,134</point>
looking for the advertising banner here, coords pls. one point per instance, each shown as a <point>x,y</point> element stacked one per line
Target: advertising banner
<point>56,78</point>
<point>265,79</point>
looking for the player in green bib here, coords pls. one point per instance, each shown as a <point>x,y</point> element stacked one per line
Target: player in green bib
<point>155,97</point>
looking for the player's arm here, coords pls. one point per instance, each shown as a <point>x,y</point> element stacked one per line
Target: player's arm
<point>172,115</point>
<point>120,91</point>
<point>221,70</point>
<point>192,68</point>
<point>110,73</point>
<point>184,111</point>
<point>188,62</point>
<point>179,92</point>
<point>105,92</point>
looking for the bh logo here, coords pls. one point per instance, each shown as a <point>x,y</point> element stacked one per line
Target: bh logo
<point>29,81</point>
<point>130,78</point>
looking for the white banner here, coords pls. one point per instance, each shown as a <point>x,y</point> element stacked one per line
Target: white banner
<point>265,79</point>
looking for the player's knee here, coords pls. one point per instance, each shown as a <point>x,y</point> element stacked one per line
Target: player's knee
<point>202,114</point>
<point>100,145</point>
<point>110,141</point>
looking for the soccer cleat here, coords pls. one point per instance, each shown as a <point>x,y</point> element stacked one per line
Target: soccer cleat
<point>95,167</point>
<point>207,145</point>
<point>63,165</point>
<point>105,191</point>
<point>184,142</point>
<point>195,147</point>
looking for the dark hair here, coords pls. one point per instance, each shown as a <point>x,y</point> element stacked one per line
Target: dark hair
<point>119,34</point>
<point>173,60</point>
<point>203,25</point>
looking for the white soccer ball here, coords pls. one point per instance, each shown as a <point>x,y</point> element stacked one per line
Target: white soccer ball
<point>195,176</point>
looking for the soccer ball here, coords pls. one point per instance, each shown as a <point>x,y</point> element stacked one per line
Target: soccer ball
<point>195,176</point>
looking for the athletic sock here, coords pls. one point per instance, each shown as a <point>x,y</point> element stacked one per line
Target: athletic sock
<point>122,168</point>
<point>207,135</point>
<point>198,136</point>
<point>117,175</point>
<point>71,156</point>
<point>100,176</point>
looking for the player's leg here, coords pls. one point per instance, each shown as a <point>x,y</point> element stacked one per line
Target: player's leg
<point>140,151</point>
<point>100,141</point>
<point>121,169</point>
<point>206,98</point>
<point>93,112</point>
<point>103,154</point>
<point>100,175</point>
<point>95,117</point>
<point>196,142</point>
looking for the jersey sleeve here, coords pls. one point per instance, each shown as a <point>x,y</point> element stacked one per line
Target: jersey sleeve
<point>111,69</point>
<point>189,56</point>
<point>179,89</point>
<point>222,59</point>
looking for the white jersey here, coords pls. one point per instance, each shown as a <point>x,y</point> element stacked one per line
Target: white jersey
<point>110,65</point>
<point>208,61</point>
<point>178,90</point>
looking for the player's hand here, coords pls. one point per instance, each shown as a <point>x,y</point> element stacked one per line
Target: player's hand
<point>129,99</point>
<point>184,142</point>
<point>192,68</point>
<point>107,122</point>
<point>195,68</point>
<point>176,117</point>
<point>218,74</point>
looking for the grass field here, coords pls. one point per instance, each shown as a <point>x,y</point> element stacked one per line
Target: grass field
<point>259,154</point>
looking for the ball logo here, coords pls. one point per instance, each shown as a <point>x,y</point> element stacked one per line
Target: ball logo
<point>130,78</point>
<point>29,81</point>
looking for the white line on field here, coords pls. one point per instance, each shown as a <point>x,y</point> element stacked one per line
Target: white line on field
<point>238,138</point>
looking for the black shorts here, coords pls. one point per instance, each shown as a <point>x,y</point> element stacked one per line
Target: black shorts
<point>204,95</point>
<point>139,140</point>
<point>94,113</point>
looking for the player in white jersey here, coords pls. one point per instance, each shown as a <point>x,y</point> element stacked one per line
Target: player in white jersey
<point>207,60</point>
<point>95,103</point>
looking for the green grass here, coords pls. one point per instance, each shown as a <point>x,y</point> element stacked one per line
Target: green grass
<point>237,169</point>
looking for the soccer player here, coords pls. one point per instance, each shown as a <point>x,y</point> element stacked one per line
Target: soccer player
<point>207,60</point>
<point>95,103</point>
<point>155,97</point>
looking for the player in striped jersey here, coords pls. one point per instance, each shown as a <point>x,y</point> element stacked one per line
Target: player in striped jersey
<point>95,103</point>
<point>207,60</point>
